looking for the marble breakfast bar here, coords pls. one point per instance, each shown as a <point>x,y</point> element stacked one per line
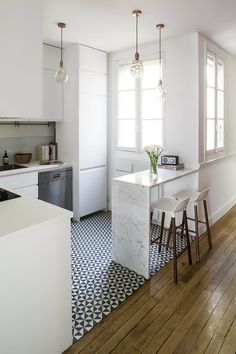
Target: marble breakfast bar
<point>131,206</point>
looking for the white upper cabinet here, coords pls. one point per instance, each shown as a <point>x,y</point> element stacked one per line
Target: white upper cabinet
<point>52,91</point>
<point>21,59</point>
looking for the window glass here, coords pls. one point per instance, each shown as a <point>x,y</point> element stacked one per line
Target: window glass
<point>152,132</point>
<point>220,75</point>
<point>210,134</point>
<point>210,71</point>
<point>220,133</point>
<point>126,133</point>
<point>220,104</point>
<point>151,106</point>
<point>151,74</point>
<point>126,104</point>
<point>210,102</point>
<point>125,80</point>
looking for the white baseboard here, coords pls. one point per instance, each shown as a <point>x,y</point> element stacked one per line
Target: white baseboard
<point>222,211</point>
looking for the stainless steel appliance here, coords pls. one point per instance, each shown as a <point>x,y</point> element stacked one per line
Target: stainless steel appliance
<point>55,187</point>
<point>6,195</point>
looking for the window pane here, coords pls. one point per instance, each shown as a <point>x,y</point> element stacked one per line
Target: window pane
<point>125,79</point>
<point>210,134</point>
<point>220,104</point>
<point>151,74</point>
<point>210,102</point>
<point>152,132</point>
<point>220,75</point>
<point>126,133</point>
<point>220,133</point>
<point>126,104</point>
<point>210,70</point>
<point>151,106</point>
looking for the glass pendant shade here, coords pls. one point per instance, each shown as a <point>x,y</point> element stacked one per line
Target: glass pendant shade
<point>161,92</point>
<point>61,74</point>
<point>136,68</point>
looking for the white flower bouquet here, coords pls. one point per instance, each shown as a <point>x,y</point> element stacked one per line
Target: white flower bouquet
<point>153,151</point>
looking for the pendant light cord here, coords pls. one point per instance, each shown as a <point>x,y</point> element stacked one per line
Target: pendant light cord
<point>160,64</point>
<point>136,33</point>
<point>61,47</point>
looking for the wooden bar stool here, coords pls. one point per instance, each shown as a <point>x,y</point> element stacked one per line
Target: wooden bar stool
<point>195,198</point>
<point>173,206</point>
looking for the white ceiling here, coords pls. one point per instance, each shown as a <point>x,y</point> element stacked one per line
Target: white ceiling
<point>109,25</point>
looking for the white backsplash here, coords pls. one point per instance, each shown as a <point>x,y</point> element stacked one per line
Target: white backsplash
<point>23,139</point>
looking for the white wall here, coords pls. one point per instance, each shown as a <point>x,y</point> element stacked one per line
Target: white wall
<point>23,139</point>
<point>180,109</point>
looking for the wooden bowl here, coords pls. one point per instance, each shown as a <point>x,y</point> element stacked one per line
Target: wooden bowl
<point>23,158</point>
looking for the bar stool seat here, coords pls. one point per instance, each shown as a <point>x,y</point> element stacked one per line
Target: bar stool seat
<point>195,198</point>
<point>173,206</point>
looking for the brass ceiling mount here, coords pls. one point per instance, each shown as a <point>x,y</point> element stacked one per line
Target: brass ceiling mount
<point>61,25</point>
<point>137,13</point>
<point>160,26</point>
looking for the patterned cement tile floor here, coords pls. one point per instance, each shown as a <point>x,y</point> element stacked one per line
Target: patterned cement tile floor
<point>98,284</point>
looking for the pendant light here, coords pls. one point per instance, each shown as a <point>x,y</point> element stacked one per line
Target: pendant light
<point>61,75</point>
<point>161,91</point>
<point>136,68</point>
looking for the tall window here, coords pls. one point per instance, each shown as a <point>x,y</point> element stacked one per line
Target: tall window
<point>139,113</point>
<point>215,103</point>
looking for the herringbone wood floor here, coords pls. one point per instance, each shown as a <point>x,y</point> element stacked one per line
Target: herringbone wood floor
<point>198,315</point>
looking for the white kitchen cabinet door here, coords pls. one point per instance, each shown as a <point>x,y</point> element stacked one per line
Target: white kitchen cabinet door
<point>21,28</point>
<point>31,191</point>
<point>20,180</point>
<point>52,97</point>
<point>93,190</point>
<point>92,83</point>
<point>92,131</point>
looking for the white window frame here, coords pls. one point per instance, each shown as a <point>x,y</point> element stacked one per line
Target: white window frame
<point>219,56</point>
<point>138,120</point>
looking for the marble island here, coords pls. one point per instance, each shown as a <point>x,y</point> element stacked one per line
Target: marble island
<point>131,209</point>
<point>35,277</point>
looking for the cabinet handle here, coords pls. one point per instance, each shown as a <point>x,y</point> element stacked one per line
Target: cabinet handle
<point>56,175</point>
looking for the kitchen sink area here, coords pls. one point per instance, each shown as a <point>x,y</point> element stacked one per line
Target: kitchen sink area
<point>11,167</point>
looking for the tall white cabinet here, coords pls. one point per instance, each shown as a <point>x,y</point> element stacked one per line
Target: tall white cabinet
<point>21,27</point>
<point>82,135</point>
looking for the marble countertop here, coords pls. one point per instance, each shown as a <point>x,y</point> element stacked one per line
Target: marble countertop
<point>34,166</point>
<point>146,179</point>
<point>24,212</point>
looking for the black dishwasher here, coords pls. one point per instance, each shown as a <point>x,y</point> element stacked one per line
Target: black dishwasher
<point>55,187</point>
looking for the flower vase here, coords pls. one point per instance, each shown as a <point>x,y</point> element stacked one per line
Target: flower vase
<point>153,167</point>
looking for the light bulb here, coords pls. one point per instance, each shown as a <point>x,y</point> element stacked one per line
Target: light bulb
<point>61,75</point>
<point>161,92</point>
<point>136,68</point>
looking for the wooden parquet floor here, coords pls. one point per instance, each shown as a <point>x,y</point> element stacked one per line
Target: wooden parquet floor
<point>197,315</point>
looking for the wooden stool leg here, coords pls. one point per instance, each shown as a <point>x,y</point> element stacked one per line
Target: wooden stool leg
<point>187,237</point>
<point>174,250</point>
<point>197,233</point>
<point>162,229</point>
<point>182,226</point>
<point>169,234</point>
<point>207,224</point>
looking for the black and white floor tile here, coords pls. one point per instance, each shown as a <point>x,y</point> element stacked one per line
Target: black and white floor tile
<point>98,284</point>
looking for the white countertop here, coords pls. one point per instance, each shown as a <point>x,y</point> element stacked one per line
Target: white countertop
<point>34,166</point>
<point>146,179</point>
<point>24,212</point>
